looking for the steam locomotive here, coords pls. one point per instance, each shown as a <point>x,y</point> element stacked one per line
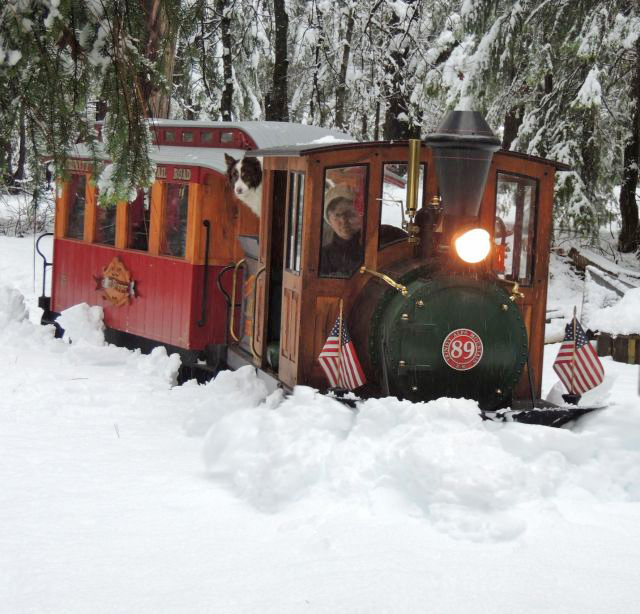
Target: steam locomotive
<point>441,287</point>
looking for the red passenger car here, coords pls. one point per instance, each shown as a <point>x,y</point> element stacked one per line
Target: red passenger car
<point>152,264</point>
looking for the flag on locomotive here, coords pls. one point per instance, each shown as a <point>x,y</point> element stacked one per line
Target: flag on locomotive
<point>577,363</point>
<point>339,359</point>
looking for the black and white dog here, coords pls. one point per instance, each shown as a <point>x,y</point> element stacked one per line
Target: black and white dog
<point>245,179</point>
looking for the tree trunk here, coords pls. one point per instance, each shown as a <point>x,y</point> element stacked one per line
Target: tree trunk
<point>629,239</point>
<point>22,150</point>
<point>397,98</point>
<point>316,103</point>
<point>512,123</point>
<point>162,36</point>
<point>277,103</point>
<point>341,91</point>
<point>5,163</point>
<point>226,102</point>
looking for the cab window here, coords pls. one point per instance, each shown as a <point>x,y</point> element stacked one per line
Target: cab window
<point>343,221</point>
<point>516,203</point>
<point>77,201</point>
<point>393,202</point>
<point>176,205</point>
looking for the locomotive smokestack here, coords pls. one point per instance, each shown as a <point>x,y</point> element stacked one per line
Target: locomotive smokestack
<point>462,147</point>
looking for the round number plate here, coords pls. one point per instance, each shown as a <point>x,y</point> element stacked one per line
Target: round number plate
<point>462,349</point>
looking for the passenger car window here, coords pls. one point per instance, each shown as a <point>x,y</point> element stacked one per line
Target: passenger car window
<point>393,202</point>
<point>77,200</point>
<point>175,220</point>
<point>138,222</point>
<point>516,203</point>
<point>106,225</point>
<point>344,216</point>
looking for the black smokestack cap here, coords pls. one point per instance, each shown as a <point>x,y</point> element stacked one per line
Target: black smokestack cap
<point>462,147</point>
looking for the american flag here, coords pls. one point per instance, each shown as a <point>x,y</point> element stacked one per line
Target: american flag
<point>339,360</point>
<point>588,371</point>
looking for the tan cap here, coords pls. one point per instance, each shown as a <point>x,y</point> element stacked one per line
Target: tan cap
<point>338,192</point>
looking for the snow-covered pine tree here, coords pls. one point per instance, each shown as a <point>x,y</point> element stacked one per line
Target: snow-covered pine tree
<point>58,57</point>
<point>553,74</point>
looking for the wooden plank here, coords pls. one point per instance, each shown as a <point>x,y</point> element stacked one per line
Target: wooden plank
<point>62,211</point>
<point>122,224</point>
<point>156,216</point>
<point>90,212</point>
<point>195,238</point>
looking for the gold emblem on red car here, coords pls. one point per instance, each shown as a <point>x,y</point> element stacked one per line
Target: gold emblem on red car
<point>116,284</point>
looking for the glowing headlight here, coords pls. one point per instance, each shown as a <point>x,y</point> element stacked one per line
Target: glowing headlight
<point>473,246</point>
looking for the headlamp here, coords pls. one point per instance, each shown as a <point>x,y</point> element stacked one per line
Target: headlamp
<point>473,246</point>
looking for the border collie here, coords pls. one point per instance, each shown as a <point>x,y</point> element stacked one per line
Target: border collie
<point>245,179</point>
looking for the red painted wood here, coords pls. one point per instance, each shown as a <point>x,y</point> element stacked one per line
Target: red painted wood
<point>168,298</point>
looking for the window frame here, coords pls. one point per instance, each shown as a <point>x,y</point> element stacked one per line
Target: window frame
<point>367,167</point>
<point>424,195</point>
<point>94,234</point>
<point>71,197</point>
<point>528,280</point>
<point>162,249</point>
<point>295,219</point>
<point>128,233</point>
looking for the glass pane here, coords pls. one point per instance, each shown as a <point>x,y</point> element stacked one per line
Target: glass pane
<point>106,225</point>
<point>206,137</point>
<point>294,218</point>
<point>138,222</point>
<point>393,204</point>
<point>77,198</point>
<point>516,199</point>
<point>169,136</point>
<point>187,136</point>
<point>300,197</point>
<point>345,203</point>
<point>175,220</point>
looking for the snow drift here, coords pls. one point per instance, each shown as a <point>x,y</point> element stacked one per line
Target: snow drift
<point>471,479</point>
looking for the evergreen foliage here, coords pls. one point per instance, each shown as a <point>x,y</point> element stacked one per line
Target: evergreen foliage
<point>559,78</point>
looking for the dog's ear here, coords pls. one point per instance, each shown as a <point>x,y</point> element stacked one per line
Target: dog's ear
<point>229,160</point>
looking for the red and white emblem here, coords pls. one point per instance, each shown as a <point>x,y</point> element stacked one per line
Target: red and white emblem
<point>462,349</point>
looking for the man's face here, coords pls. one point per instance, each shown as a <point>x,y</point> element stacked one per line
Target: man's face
<point>344,220</point>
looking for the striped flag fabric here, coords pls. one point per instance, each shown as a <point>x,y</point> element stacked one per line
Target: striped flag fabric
<point>588,371</point>
<point>339,360</point>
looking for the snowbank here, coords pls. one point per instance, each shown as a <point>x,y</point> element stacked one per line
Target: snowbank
<point>470,479</point>
<point>623,318</point>
<point>83,324</point>
<point>12,306</point>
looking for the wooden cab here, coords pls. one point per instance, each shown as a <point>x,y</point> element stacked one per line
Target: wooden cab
<point>298,295</point>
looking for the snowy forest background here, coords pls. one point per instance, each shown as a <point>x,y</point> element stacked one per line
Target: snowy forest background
<point>555,78</point>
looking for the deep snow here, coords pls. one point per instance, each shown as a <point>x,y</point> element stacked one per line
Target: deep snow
<point>121,493</point>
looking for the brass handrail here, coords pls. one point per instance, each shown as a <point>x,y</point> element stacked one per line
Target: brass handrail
<point>394,284</point>
<point>515,292</point>
<point>253,321</point>
<point>233,299</point>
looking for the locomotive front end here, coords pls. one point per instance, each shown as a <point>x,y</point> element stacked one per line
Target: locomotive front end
<point>455,336</point>
<point>454,330</point>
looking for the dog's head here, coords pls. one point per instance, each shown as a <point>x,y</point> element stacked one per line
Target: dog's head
<point>243,175</point>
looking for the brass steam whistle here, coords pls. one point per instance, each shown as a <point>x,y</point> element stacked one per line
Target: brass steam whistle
<point>413,178</point>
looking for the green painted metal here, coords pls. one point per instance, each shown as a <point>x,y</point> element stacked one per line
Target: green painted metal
<point>410,332</point>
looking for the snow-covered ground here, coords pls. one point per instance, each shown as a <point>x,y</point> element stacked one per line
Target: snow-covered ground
<point>120,493</point>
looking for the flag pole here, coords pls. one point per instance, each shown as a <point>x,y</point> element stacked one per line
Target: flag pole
<point>573,358</point>
<point>340,347</point>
